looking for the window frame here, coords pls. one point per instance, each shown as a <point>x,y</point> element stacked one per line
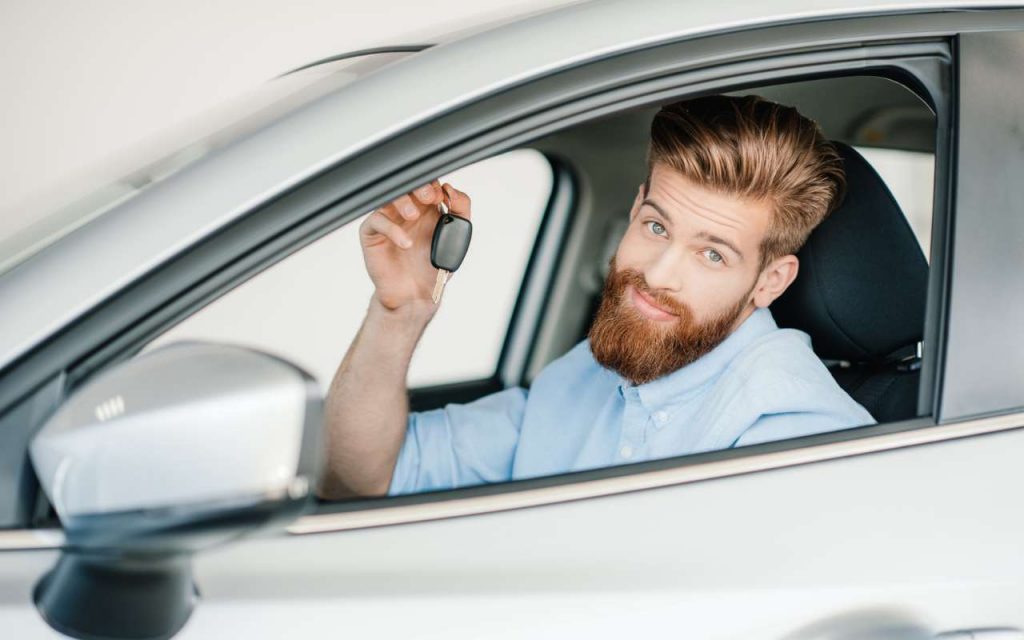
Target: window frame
<point>682,469</point>
<point>689,468</point>
<point>274,230</point>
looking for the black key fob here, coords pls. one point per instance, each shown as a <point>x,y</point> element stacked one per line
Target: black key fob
<point>450,243</point>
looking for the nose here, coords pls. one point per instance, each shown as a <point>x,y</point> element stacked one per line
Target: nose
<point>664,272</point>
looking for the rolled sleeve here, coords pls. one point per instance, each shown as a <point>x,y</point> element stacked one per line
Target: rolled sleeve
<point>460,444</point>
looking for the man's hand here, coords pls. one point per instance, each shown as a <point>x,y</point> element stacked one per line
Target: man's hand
<point>396,246</point>
<point>367,406</point>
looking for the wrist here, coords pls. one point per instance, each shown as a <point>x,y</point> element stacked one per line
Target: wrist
<point>415,314</point>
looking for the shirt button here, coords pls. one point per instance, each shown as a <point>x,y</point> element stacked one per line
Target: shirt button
<point>661,417</point>
<point>626,451</point>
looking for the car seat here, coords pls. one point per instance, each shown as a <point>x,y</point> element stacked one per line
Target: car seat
<point>860,294</point>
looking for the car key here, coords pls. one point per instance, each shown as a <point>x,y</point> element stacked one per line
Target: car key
<point>448,246</point>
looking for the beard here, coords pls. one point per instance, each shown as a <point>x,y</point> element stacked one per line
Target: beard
<point>637,348</point>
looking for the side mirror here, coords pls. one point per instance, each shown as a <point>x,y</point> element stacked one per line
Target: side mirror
<point>167,454</point>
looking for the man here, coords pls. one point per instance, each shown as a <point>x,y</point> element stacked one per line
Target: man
<point>683,354</point>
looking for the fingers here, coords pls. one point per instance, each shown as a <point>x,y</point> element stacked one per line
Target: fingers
<point>460,202</point>
<point>378,223</point>
<point>410,206</point>
<point>406,207</point>
<point>429,193</point>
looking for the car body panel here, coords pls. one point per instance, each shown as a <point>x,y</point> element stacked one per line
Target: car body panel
<point>752,556</point>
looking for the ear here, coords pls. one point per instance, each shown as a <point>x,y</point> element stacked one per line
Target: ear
<point>775,279</point>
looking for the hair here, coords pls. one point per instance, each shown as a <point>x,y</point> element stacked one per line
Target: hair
<point>754,149</point>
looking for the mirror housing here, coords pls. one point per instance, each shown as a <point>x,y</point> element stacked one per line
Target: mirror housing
<point>174,451</point>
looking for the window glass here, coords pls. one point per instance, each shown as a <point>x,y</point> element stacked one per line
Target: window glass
<point>308,307</point>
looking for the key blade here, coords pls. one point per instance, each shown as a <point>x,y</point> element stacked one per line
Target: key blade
<point>442,279</point>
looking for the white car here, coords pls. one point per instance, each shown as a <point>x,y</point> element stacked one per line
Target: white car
<point>164,347</point>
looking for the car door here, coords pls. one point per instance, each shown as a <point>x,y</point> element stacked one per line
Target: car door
<point>902,528</point>
<point>900,533</point>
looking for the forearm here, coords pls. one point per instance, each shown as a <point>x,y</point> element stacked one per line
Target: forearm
<point>366,410</point>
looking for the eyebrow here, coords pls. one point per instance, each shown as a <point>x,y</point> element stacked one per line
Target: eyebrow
<point>704,235</point>
<point>713,239</point>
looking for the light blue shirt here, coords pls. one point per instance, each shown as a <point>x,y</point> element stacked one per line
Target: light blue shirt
<point>761,383</point>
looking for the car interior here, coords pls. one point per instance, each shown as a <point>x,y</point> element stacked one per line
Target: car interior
<point>861,290</point>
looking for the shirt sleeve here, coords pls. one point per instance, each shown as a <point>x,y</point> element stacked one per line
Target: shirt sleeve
<point>821,413</point>
<point>460,444</point>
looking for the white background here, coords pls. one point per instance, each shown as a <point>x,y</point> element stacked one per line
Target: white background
<point>85,82</point>
<point>308,307</point>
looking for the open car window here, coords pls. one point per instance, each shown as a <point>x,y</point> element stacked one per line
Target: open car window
<point>308,307</point>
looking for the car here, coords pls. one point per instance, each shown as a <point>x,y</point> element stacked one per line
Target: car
<point>164,347</point>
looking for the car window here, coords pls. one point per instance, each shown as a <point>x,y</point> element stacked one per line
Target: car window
<point>308,307</point>
<point>863,361</point>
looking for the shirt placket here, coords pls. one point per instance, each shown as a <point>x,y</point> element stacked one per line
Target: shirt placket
<point>632,440</point>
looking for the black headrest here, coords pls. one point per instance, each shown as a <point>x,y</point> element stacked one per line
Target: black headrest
<point>860,292</point>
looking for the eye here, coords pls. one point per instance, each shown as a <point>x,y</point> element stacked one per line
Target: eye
<point>713,256</point>
<point>656,227</point>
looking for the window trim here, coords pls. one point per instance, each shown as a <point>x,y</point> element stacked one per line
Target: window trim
<point>382,512</point>
<point>644,476</point>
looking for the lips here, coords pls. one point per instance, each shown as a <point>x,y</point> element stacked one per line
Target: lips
<point>646,305</point>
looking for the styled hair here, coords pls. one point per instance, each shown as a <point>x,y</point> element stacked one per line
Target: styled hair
<point>754,149</point>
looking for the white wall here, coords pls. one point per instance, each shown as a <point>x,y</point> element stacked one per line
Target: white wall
<point>84,82</point>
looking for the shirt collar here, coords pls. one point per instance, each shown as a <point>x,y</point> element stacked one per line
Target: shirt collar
<point>661,391</point>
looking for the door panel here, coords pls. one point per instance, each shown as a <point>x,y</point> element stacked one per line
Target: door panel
<point>926,535</point>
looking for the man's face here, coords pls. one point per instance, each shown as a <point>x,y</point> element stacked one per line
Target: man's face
<point>686,274</point>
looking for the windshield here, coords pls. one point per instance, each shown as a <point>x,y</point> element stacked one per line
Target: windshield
<point>27,229</point>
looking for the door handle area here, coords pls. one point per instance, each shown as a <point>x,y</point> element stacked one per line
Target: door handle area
<point>1001,633</point>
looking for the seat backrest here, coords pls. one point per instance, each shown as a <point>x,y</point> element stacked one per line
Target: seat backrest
<point>860,294</point>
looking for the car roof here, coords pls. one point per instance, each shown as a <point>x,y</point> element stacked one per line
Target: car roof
<point>172,215</point>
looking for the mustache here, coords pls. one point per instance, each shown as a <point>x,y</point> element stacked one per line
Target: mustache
<point>633,277</point>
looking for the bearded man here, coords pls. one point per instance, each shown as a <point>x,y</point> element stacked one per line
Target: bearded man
<point>683,355</point>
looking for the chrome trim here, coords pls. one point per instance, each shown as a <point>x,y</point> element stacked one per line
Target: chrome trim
<point>25,539</point>
<point>377,517</point>
<point>407,48</point>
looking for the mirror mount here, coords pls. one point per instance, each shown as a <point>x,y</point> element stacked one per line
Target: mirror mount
<point>88,595</point>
